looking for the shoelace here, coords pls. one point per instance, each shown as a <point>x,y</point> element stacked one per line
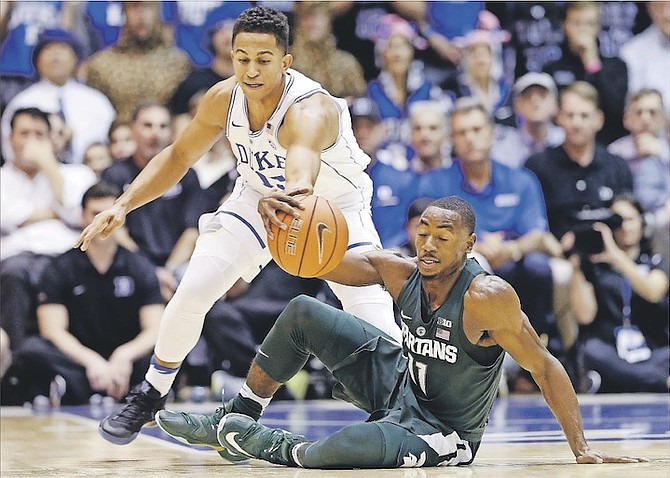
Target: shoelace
<point>133,409</point>
<point>279,438</point>
<point>218,414</point>
<point>213,419</point>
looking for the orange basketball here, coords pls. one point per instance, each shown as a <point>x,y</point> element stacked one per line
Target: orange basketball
<point>314,243</point>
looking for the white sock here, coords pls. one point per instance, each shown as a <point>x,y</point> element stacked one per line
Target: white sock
<point>246,392</point>
<point>161,378</point>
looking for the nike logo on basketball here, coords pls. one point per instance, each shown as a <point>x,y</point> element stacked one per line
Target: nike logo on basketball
<point>320,229</point>
<point>232,443</point>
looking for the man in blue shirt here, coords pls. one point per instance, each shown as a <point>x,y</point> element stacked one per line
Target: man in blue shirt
<point>512,228</point>
<point>398,167</point>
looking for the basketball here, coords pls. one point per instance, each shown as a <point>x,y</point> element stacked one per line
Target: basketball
<point>314,243</point>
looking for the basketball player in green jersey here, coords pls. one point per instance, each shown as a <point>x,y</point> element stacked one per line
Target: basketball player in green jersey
<point>429,399</point>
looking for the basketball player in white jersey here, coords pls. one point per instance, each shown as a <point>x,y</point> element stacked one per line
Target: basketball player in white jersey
<point>291,138</point>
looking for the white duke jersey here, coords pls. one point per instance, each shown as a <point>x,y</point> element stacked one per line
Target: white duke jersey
<point>260,158</point>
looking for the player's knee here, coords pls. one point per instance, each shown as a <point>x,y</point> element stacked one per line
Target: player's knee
<point>300,311</point>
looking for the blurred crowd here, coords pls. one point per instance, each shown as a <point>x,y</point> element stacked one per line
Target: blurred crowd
<point>550,119</point>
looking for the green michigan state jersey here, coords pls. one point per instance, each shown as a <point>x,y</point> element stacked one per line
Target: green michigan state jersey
<point>455,380</point>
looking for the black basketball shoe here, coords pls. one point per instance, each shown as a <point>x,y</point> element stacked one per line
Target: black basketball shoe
<point>141,406</point>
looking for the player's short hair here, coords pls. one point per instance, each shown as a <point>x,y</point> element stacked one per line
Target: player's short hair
<point>264,20</point>
<point>35,113</point>
<point>458,205</point>
<point>99,190</point>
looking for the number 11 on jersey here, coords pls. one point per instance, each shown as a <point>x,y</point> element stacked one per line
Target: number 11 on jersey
<point>418,371</point>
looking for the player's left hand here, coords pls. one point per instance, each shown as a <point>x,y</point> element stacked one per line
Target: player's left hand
<point>597,457</point>
<point>278,200</point>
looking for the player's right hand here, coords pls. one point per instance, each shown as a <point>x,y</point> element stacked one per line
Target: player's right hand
<point>103,225</point>
<point>278,200</point>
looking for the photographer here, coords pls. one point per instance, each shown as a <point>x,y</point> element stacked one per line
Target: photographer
<point>619,295</point>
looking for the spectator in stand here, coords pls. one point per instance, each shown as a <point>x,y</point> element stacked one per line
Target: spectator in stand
<point>414,212</point>
<point>401,80</point>
<point>366,124</point>
<point>579,178</point>
<point>356,26</point>
<point>582,61</point>
<point>40,204</point>
<point>644,118</point>
<point>122,145</point>
<point>620,299</point>
<point>512,230</point>
<point>21,23</point>
<point>61,137</point>
<point>652,188</point>
<point>193,22</point>
<point>106,21</point>
<point>201,79</point>
<point>647,152</point>
<point>140,65</point>
<point>98,318</point>
<point>85,110</point>
<point>440,24</point>
<point>98,158</point>
<point>537,33</point>
<point>395,183</point>
<point>165,229</point>
<point>480,73</point>
<point>535,107</point>
<point>648,53</point>
<point>316,55</point>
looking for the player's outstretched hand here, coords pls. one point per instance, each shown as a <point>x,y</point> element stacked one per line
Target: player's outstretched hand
<point>278,200</point>
<point>597,457</point>
<point>103,225</point>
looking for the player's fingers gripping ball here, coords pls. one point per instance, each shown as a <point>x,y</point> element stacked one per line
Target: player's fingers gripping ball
<point>312,244</point>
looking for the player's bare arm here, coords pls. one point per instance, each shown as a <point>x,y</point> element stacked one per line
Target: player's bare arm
<point>168,166</point>
<point>388,268</point>
<point>492,310</point>
<point>310,126</point>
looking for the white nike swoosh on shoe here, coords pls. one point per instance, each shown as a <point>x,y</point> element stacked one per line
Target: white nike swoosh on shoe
<point>263,353</point>
<point>232,443</point>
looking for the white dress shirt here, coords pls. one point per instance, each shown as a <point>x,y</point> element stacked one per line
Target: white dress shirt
<point>647,56</point>
<point>20,195</point>
<point>87,111</point>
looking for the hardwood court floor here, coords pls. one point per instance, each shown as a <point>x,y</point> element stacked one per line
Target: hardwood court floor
<point>522,440</point>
